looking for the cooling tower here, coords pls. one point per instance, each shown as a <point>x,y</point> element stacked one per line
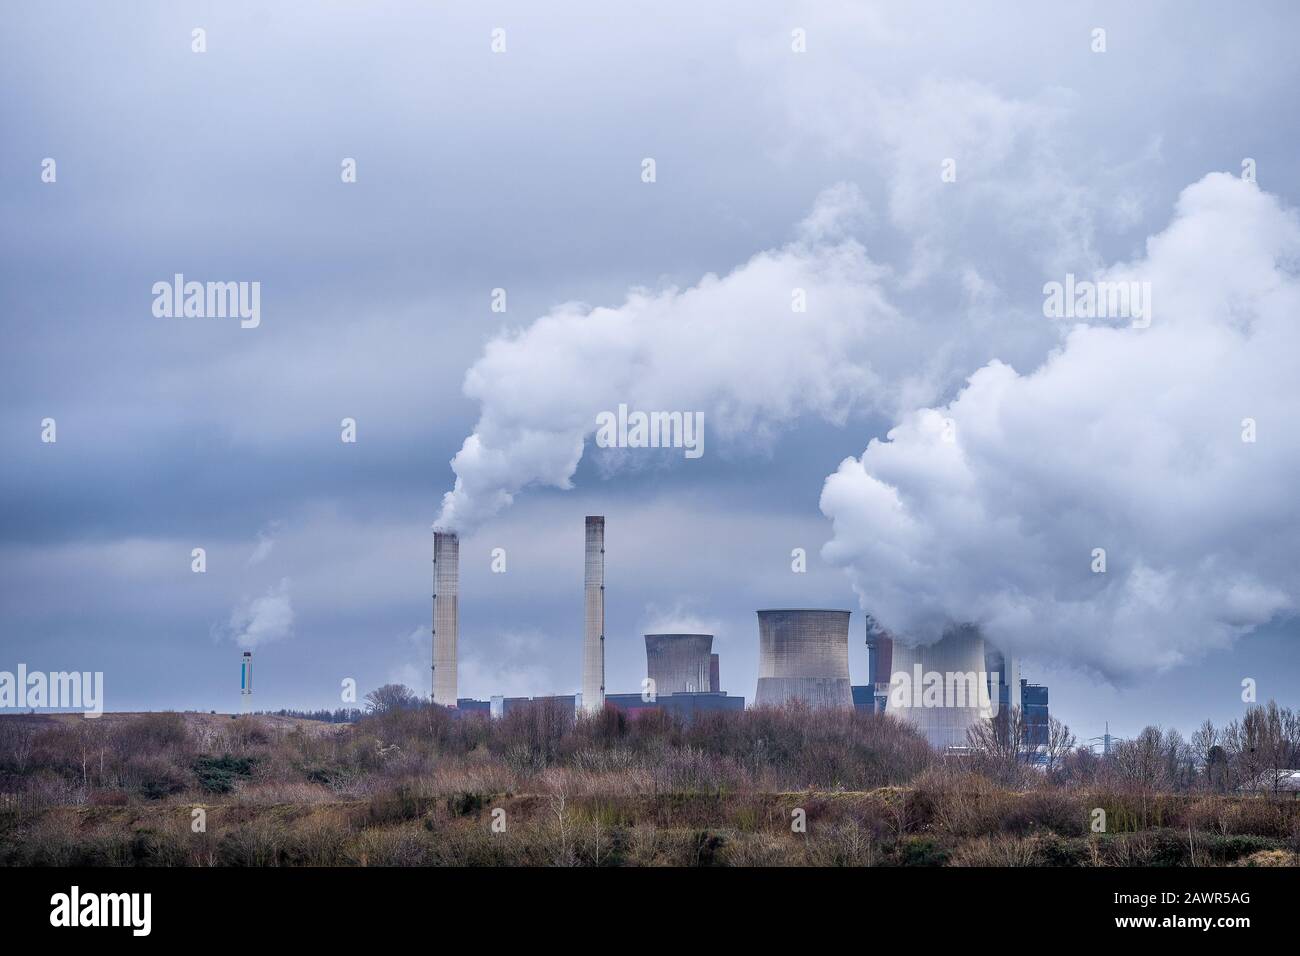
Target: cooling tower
<point>593,648</point>
<point>446,615</point>
<point>803,655</point>
<point>715,676</point>
<point>678,663</point>
<point>941,688</point>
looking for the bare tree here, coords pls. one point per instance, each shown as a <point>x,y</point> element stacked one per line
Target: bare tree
<point>1060,742</point>
<point>390,697</point>
<point>1264,745</point>
<point>16,742</point>
<point>1207,752</point>
<point>1141,762</point>
<point>1280,743</point>
<point>1000,741</point>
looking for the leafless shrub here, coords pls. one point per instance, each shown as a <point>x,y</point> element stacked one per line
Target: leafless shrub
<point>846,843</point>
<point>760,849</point>
<point>997,851</point>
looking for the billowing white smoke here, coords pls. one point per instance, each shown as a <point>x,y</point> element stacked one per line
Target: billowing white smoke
<point>734,348</point>
<point>264,619</point>
<point>1126,439</point>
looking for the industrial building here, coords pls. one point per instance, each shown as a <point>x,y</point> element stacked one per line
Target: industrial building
<point>880,664</point>
<point>942,688</point>
<point>803,655</point>
<point>679,663</point>
<point>686,706</point>
<point>1003,673</point>
<point>686,677</point>
<point>1033,705</point>
<point>570,705</point>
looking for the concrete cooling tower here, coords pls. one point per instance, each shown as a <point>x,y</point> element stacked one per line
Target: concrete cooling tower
<point>446,615</point>
<point>679,663</point>
<point>941,688</point>
<point>803,655</point>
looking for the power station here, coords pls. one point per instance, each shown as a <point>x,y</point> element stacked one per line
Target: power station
<point>943,689</point>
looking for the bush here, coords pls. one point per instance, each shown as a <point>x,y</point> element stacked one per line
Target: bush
<point>997,851</point>
<point>155,777</point>
<point>465,804</point>
<point>919,851</point>
<point>220,774</point>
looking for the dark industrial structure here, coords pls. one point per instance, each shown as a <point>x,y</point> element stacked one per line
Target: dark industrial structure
<point>686,706</point>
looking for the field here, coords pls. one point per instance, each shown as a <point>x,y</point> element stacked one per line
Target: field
<point>761,788</point>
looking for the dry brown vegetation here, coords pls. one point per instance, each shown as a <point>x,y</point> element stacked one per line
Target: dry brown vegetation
<point>416,786</point>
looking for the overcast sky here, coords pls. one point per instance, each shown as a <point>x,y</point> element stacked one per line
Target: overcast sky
<point>775,170</point>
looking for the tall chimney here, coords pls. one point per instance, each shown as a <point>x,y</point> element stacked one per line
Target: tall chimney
<point>593,648</point>
<point>446,615</point>
<point>246,681</point>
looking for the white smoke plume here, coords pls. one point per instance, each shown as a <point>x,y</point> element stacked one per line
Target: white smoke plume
<point>1127,439</point>
<point>263,619</point>
<point>732,347</point>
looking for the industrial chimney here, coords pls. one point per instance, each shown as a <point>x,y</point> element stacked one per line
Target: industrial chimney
<point>446,615</point>
<point>246,681</point>
<point>593,648</point>
<point>803,655</point>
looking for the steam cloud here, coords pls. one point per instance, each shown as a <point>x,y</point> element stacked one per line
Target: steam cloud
<point>264,619</point>
<point>1126,439</point>
<point>732,347</point>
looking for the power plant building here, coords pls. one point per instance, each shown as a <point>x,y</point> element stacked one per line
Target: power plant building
<point>803,655</point>
<point>880,664</point>
<point>446,615</point>
<point>686,706</point>
<point>1033,705</point>
<point>1002,677</point>
<point>679,663</point>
